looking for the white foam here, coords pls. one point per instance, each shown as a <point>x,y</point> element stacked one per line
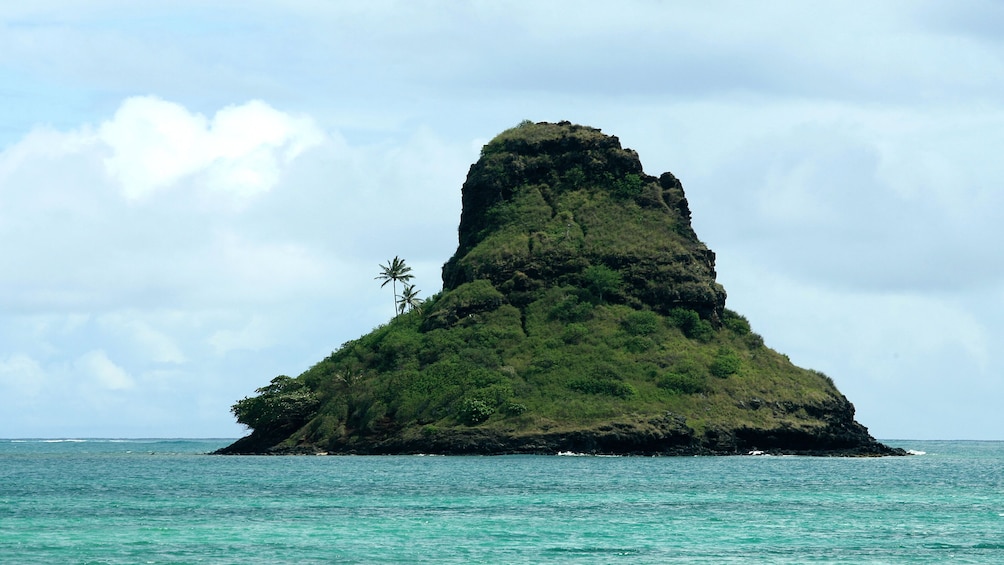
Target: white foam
<point>915,452</point>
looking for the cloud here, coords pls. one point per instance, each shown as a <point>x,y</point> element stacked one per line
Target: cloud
<point>154,143</point>
<point>21,375</point>
<point>867,199</point>
<point>154,344</point>
<point>104,372</point>
<point>125,308</point>
<point>155,229</point>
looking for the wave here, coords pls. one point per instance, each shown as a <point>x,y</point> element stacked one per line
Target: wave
<point>916,452</point>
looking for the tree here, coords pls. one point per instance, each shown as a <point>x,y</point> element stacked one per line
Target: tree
<point>284,403</point>
<point>409,299</point>
<point>395,270</point>
<point>602,281</point>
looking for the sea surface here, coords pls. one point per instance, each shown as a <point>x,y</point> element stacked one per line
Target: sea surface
<point>168,501</point>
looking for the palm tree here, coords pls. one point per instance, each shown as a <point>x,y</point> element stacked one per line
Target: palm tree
<point>409,299</point>
<point>395,270</point>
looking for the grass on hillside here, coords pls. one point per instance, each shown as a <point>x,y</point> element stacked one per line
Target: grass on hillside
<point>563,362</point>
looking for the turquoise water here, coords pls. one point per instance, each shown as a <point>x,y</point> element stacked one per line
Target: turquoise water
<point>165,501</point>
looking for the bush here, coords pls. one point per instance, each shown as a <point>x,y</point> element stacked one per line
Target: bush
<point>570,310</point>
<point>736,322</point>
<point>685,377</point>
<point>574,333</point>
<point>726,363</point>
<point>691,324</point>
<point>513,408</point>
<point>284,403</point>
<point>628,187</point>
<point>474,411</point>
<point>638,344</point>
<point>684,383</point>
<point>826,378</point>
<point>602,282</point>
<point>641,322</point>
<point>574,177</point>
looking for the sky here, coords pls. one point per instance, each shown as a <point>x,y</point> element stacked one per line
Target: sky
<point>196,196</point>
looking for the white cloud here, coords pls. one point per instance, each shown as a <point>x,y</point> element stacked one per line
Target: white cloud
<point>114,300</point>
<point>154,344</point>
<point>21,375</point>
<point>104,372</point>
<point>154,143</point>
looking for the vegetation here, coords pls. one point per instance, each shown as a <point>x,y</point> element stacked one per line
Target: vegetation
<point>284,403</point>
<point>395,270</point>
<point>409,299</point>
<point>578,297</point>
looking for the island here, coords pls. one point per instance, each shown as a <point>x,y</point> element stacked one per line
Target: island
<point>580,313</point>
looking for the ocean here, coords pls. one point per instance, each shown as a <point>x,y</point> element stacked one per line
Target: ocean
<point>168,501</point>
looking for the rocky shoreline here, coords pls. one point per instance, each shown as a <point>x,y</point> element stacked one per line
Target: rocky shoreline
<point>611,439</point>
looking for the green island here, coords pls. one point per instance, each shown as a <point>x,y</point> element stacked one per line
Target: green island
<point>580,313</point>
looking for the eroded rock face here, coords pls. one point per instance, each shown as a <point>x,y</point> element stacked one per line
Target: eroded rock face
<point>544,205</point>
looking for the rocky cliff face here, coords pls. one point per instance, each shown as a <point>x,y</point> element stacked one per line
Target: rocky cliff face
<point>579,313</point>
<point>547,201</point>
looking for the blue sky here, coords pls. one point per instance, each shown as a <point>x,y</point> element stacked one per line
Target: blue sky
<point>195,197</point>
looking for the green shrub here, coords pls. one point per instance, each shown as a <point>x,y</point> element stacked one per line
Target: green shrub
<point>638,344</point>
<point>569,309</point>
<point>630,186</point>
<point>574,177</point>
<point>686,377</point>
<point>602,282</point>
<point>684,383</point>
<point>726,363</point>
<point>736,322</point>
<point>474,411</point>
<point>495,394</point>
<point>283,403</point>
<point>826,378</point>
<point>608,387</point>
<point>513,408</point>
<point>574,333</point>
<point>641,322</point>
<point>691,324</point>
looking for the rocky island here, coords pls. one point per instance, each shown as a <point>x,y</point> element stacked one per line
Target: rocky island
<point>579,313</point>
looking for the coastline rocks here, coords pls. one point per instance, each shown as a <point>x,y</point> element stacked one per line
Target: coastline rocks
<point>667,435</point>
